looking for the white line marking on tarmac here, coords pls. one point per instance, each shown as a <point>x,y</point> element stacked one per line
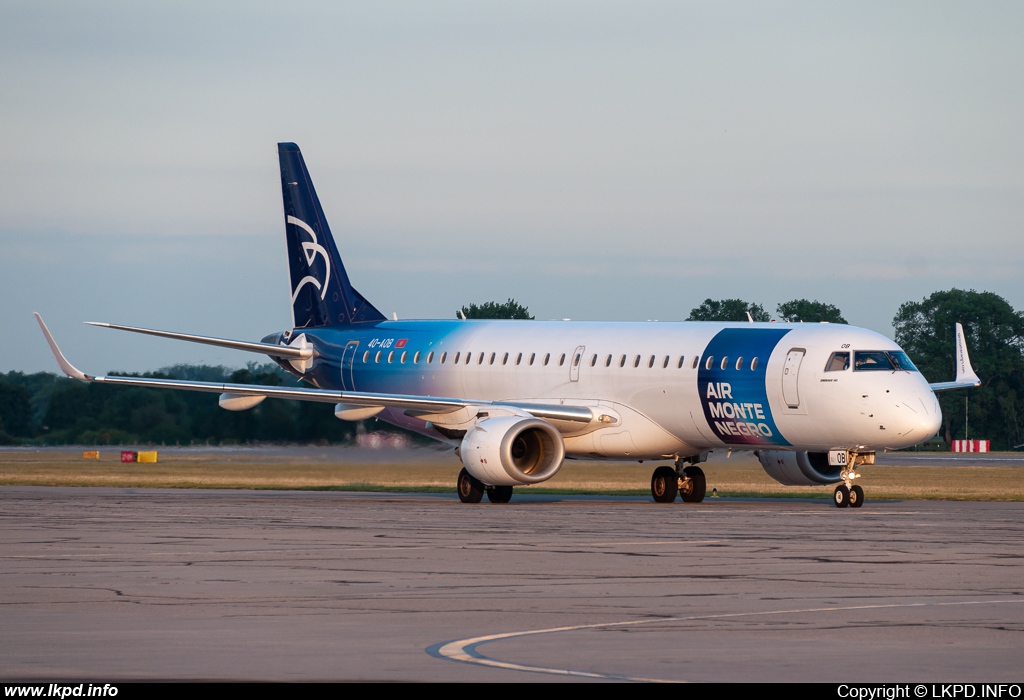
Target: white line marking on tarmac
<point>465,650</point>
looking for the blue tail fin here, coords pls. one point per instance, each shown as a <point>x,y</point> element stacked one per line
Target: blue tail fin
<point>321,292</point>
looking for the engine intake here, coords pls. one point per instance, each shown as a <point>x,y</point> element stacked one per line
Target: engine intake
<point>512,450</point>
<point>798,468</point>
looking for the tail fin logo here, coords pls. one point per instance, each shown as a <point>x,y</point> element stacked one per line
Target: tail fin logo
<point>310,250</point>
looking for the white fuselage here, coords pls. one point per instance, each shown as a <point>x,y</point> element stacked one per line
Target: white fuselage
<point>670,388</point>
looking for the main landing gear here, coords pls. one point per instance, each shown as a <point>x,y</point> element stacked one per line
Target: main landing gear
<point>688,483</point>
<point>499,494</point>
<point>848,494</point>
<point>472,490</point>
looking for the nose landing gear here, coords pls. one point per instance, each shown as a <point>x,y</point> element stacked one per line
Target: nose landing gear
<point>848,494</point>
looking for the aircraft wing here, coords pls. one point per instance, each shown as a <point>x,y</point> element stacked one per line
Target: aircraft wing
<point>292,353</point>
<point>965,375</point>
<point>412,403</point>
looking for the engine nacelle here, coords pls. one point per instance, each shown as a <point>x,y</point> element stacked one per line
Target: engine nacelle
<point>512,450</point>
<point>799,468</point>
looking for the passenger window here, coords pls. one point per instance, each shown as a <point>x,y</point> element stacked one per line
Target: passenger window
<point>504,359</point>
<point>739,363</point>
<point>376,358</point>
<point>710,361</point>
<point>593,360</point>
<point>491,362</point>
<point>665,364</point>
<point>608,361</point>
<point>519,358</point>
<point>444,356</point>
<point>753,364</point>
<point>416,358</point>
<point>622,361</point>
<point>725,362</point>
<point>455,360</point>
<point>469,357</point>
<point>561,359</point>
<point>636,361</point>
<point>366,356</point>
<point>650,362</point>
<point>839,362</point>
<point>480,359</point>
<point>576,360</point>
<point>547,358</point>
<point>533,356</point>
<point>405,353</point>
<point>430,357</point>
<point>696,359</point>
<point>681,358</point>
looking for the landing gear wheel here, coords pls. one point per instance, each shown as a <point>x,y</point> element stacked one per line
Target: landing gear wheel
<point>470,490</point>
<point>694,486</point>
<point>664,484</point>
<point>842,496</point>
<point>499,494</point>
<point>856,497</point>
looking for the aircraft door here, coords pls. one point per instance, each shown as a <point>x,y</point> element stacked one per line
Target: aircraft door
<point>790,377</point>
<point>577,360</point>
<point>348,358</point>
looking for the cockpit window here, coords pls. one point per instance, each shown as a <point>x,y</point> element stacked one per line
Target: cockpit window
<point>901,360</point>
<point>890,360</point>
<point>838,362</point>
<point>867,360</point>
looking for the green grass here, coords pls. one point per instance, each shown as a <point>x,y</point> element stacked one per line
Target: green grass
<point>738,477</point>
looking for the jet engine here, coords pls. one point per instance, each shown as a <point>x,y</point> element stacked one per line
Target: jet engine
<point>799,468</point>
<point>512,450</point>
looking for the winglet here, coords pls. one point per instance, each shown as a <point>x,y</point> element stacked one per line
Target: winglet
<point>964,372</point>
<point>965,375</point>
<point>65,366</point>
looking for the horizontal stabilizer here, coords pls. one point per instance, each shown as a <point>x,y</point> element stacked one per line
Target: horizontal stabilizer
<point>303,353</point>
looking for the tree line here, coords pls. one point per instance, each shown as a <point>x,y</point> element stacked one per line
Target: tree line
<point>43,407</point>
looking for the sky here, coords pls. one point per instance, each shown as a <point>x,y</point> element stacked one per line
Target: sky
<point>592,160</point>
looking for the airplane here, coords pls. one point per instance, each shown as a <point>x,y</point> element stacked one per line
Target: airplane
<point>814,401</point>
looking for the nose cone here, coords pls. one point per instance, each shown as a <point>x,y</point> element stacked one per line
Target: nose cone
<point>919,418</point>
